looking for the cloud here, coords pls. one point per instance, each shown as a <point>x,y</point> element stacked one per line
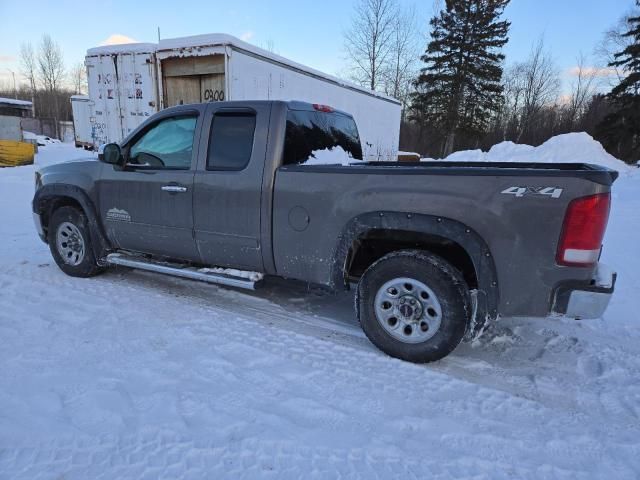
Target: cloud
<point>7,58</point>
<point>564,99</point>
<point>592,71</point>
<point>246,36</point>
<point>117,39</point>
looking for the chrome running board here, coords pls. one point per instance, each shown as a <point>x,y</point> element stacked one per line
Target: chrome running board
<point>192,273</point>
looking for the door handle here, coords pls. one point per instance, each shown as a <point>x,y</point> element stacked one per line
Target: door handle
<point>173,188</point>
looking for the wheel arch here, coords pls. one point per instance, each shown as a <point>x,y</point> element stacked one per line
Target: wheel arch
<point>368,237</point>
<point>52,197</point>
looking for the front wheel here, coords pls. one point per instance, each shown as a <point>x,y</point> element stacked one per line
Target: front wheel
<point>70,243</point>
<point>413,305</point>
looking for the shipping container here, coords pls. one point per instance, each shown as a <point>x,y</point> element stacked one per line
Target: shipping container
<point>82,114</point>
<point>122,87</point>
<point>217,67</point>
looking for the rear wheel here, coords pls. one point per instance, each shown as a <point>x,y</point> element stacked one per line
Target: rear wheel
<point>70,243</point>
<point>413,305</point>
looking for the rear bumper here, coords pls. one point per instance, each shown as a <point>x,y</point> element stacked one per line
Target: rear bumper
<point>582,300</point>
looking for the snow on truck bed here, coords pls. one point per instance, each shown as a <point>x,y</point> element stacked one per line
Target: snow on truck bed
<point>134,375</point>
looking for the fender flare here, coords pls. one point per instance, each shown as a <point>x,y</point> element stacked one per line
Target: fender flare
<point>488,294</point>
<point>48,193</point>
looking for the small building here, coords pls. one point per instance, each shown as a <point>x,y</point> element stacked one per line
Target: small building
<point>13,149</point>
<point>15,108</point>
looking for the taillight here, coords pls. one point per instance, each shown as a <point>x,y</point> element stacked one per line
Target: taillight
<point>322,108</point>
<point>582,230</point>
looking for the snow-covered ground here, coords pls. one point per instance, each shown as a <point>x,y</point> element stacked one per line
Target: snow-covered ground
<point>135,375</point>
<point>42,140</point>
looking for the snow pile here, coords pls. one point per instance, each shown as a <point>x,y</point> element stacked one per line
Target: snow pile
<point>568,148</point>
<point>41,139</point>
<point>330,156</point>
<point>29,135</point>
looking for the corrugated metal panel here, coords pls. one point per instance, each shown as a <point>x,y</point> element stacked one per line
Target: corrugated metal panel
<point>13,153</point>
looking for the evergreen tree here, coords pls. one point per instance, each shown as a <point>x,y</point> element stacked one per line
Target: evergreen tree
<point>460,87</point>
<point>620,130</point>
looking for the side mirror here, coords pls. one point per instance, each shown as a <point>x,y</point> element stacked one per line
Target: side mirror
<point>111,154</point>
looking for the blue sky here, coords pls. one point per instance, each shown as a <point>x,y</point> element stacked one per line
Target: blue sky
<point>310,32</point>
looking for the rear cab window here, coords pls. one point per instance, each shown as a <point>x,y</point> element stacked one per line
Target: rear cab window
<point>321,136</point>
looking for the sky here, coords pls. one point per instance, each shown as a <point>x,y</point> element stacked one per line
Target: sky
<point>310,32</point>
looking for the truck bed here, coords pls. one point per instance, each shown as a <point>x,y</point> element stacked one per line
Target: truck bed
<point>587,171</point>
<point>516,208</point>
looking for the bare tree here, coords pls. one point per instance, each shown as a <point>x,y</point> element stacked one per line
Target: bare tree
<point>582,90</point>
<point>534,85</point>
<point>28,68</point>
<point>401,67</point>
<point>368,42</point>
<point>78,78</point>
<point>50,64</point>
<point>51,73</point>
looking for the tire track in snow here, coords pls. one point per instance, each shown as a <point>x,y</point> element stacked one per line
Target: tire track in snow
<point>256,307</point>
<point>335,361</point>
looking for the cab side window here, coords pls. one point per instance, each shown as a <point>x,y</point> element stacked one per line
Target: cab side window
<point>168,144</point>
<point>231,140</point>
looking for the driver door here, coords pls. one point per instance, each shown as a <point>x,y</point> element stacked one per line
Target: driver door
<point>146,205</point>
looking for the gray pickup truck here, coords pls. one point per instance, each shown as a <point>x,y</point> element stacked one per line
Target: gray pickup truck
<point>231,192</point>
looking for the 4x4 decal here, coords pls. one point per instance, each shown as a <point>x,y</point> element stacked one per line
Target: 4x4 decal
<point>553,192</point>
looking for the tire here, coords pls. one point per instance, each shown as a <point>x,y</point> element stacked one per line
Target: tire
<point>420,324</point>
<point>74,257</point>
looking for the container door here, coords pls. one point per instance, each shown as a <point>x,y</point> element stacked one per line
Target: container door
<point>110,94</point>
<point>136,75</point>
<point>102,81</point>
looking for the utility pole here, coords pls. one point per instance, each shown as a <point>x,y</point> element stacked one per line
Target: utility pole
<point>15,90</point>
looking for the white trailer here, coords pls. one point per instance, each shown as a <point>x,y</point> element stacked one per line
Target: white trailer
<point>216,67</point>
<point>221,67</point>
<point>82,115</point>
<point>122,87</point>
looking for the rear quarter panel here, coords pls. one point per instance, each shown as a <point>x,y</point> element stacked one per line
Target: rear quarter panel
<point>521,232</point>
